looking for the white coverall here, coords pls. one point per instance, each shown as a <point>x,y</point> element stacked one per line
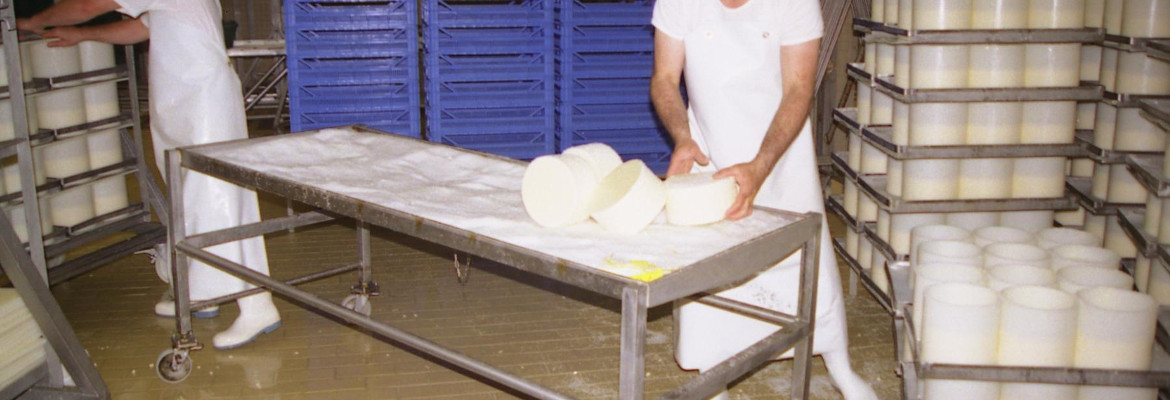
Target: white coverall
<point>195,98</point>
<point>733,80</point>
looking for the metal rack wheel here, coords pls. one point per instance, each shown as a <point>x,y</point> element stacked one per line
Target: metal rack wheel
<point>173,366</point>
<point>359,303</point>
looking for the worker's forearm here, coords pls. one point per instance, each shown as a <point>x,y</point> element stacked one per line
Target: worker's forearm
<point>668,103</point>
<point>785,126</point>
<point>128,31</point>
<point>72,12</point>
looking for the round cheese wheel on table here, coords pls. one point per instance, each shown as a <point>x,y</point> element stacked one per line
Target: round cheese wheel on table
<point>629,198</point>
<point>601,157</point>
<point>697,199</point>
<point>557,188</point>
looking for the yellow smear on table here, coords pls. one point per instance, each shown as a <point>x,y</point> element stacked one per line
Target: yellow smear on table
<point>648,271</point>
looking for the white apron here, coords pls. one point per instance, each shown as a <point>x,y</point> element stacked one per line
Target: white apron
<point>732,103</point>
<point>195,98</point>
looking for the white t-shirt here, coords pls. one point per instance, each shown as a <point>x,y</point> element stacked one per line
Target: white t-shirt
<point>793,21</point>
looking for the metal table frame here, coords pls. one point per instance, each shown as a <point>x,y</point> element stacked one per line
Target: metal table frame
<point>727,267</point>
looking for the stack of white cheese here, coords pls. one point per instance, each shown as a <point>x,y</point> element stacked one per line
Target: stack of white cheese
<point>592,181</point>
<point>22,347</point>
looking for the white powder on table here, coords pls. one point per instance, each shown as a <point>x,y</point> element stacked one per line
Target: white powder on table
<point>476,193</point>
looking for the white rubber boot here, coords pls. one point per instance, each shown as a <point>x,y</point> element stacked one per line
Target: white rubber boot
<point>166,309</point>
<point>258,315</point>
<point>851,385</point>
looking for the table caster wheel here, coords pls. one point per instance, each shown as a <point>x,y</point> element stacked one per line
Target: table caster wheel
<point>358,303</point>
<point>172,367</point>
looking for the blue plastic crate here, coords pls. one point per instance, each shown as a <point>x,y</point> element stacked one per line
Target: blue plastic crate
<point>607,12</point>
<point>488,40</point>
<point>486,13</point>
<point>400,122</point>
<point>484,68</point>
<point>339,71</point>
<point>354,21</point>
<point>354,97</point>
<point>489,74</point>
<point>605,90</point>
<point>467,121</point>
<point>523,146</point>
<point>353,62</point>
<point>606,39</point>
<point>347,43</point>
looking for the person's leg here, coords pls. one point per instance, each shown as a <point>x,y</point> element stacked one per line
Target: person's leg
<point>707,335</point>
<point>258,314</point>
<point>835,351</point>
<point>208,205</point>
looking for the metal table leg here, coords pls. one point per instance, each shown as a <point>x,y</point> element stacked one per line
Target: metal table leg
<point>633,362</point>
<point>807,313</point>
<point>174,364</point>
<point>359,298</point>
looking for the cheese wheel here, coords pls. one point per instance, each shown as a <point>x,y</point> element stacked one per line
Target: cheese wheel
<point>629,198</point>
<point>1053,238</point>
<point>599,155</point>
<point>697,199</point>
<point>556,189</point>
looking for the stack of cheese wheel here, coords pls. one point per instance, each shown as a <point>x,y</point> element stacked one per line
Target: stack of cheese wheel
<point>591,181</point>
<point>60,109</point>
<point>22,347</point>
<point>557,189</point>
<point>105,147</point>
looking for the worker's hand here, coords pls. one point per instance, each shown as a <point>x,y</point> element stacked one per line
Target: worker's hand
<point>686,154</point>
<point>66,36</point>
<point>29,25</point>
<point>750,176</point>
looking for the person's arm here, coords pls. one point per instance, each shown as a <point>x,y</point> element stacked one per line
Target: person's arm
<point>798,65</point>
<point>66,12</point>
<point>128,31</point>
<point>669,57</point>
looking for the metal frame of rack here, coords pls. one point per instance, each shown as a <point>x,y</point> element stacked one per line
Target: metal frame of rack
<point>135,218</point>
<point>1147,167</point>
<point>63,348</point>
<point>24,262</point>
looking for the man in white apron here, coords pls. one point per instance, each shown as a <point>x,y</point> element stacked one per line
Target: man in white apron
<point>195,98</point>
<point>749,67</point>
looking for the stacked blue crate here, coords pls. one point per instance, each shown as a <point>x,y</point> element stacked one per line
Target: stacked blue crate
<point>353,62</point>
<point>488,70</point>
<point>604,62</point>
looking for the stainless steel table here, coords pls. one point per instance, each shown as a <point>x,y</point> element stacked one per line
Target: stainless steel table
<point>470,202</point>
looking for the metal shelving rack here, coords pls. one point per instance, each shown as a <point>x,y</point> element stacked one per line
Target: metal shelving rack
<point>26,264</point>
<point>1077,193</point>
<point>135,218</point>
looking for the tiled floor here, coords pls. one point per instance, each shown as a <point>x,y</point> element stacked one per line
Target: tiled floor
<point>560,337</point>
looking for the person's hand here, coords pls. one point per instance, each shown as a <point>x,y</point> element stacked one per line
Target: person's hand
<point>66,36</point>
<point>750,176</point>
<point>29,25</point>
<point>686,154</point>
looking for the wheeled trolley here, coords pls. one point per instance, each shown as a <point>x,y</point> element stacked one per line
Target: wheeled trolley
<point>470,202</point>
